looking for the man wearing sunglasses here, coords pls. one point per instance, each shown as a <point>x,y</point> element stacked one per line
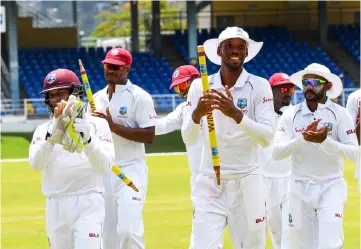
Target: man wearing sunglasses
<point>319,135</point>
<point>353,106</point>
<point>276,173</point>
<point>242,107</point>
<point>130,113</point>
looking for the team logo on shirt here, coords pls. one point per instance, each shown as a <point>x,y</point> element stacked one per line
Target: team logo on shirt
<point>290,218</point>
<point>123,110</point>
<point>329,126</point>
<point>242,103</point>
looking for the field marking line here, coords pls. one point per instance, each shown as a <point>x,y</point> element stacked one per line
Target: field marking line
<point>148,154</point>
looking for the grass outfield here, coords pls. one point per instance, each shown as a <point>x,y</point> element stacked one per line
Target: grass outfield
<point>167,213</point>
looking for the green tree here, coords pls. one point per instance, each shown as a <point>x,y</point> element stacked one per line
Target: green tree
<point>118,24</point>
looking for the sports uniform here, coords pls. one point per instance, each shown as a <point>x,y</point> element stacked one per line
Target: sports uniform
<point>239,200</point>
<point>276,173</point>
<point>131,107</point>
<point>72,182</point>
<point>318,191</point>
<point>353,107</point>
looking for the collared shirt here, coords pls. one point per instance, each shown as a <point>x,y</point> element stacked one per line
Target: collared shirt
<point>353,106</point>
<point>132,107</point>
<point>269,166</point>
<point>173,121</point>
<point>237,143</point>
<point>316,161</point>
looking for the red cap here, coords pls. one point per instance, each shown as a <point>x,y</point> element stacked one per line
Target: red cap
<point>184,73</point>
<point>60,78</point>
<point>118,56</point>
<point>279,79</point>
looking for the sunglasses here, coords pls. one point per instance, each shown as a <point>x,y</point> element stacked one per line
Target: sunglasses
<point>112,67</point>
<point>182,87</point>
<point>313,82</point>
<point>287,90</point>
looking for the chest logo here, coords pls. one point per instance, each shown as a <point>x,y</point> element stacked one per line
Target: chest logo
<point>329,126</point>
<point>123,110</point>
<point>242,103</point>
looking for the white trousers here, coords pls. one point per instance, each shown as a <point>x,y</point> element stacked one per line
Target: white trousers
<point>123,225</point>
<point>277,211</point>
<point>239,203</point>
<point>316,214</point>
<point>75,222</point>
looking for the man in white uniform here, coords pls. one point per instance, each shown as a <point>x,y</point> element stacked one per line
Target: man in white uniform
<point>319,135</point>
<point>242,108</point>
<point>130,113</point>
<point>276,173</point>
<point>353,107</point>
<point>182,79</point>
<point>72,182</point>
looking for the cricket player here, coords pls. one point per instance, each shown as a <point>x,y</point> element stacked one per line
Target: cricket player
<point>182,79</point>
<point>319,135</point>
<point>72,182</point>
<point>130,113</point>
<point>243,112</point>
<point>276,173</point>
<point>353,107</point>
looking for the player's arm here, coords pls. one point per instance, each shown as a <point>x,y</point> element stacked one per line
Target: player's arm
<point>285,144</point>
<point>261,130</point>
<point>170,123</point>
<point>40,149</point>
<point>146,119</point>
<point>347,145</point>
<point>353,109</point>
<point>100,150</point>
<point>191,125</point>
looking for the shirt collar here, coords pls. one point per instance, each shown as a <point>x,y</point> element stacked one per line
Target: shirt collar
<point>216,82</point>
<point>306,110</point>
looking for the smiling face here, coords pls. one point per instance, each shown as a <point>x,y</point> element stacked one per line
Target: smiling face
<point>233,53</point>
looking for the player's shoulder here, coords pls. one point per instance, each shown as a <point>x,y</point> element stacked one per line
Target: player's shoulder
<point>259,83</point>
<point>292,111</point>
<point>354,95</point>
<point>42,128</point>
<point>99,93</point>
<point>338,110</point>
<point>139,93</point>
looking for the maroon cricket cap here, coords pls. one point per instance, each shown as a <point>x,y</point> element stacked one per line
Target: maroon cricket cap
<point>184,73</point>
<point>60,78</point>
<point>279,79</point>
<point>118,56</point>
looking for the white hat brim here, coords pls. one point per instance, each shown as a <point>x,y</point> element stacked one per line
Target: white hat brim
<point>211,47</point>
<point>336,88</point>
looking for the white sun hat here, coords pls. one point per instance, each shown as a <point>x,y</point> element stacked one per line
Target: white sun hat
<point>324,72</point>
<point>211,45</point>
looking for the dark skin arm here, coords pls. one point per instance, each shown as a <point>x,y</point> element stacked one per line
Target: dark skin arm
<point>140,135</point>
<point>315,135</point>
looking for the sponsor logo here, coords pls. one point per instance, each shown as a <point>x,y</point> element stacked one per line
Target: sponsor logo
<point>349,132</point>
<point>259,220</point>
<point>267,99</point>
<point>93,235</point>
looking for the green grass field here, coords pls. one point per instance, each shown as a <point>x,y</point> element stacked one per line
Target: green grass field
<point>167,213</point>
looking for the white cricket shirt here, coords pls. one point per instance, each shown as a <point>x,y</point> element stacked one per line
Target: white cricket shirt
<point>132,107</point>
<point>315,161</point>
<point>237,143</point>
<point>269,166</point>
<point>353,105</point>
<point>66,173</point>
<point>173,121</point>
